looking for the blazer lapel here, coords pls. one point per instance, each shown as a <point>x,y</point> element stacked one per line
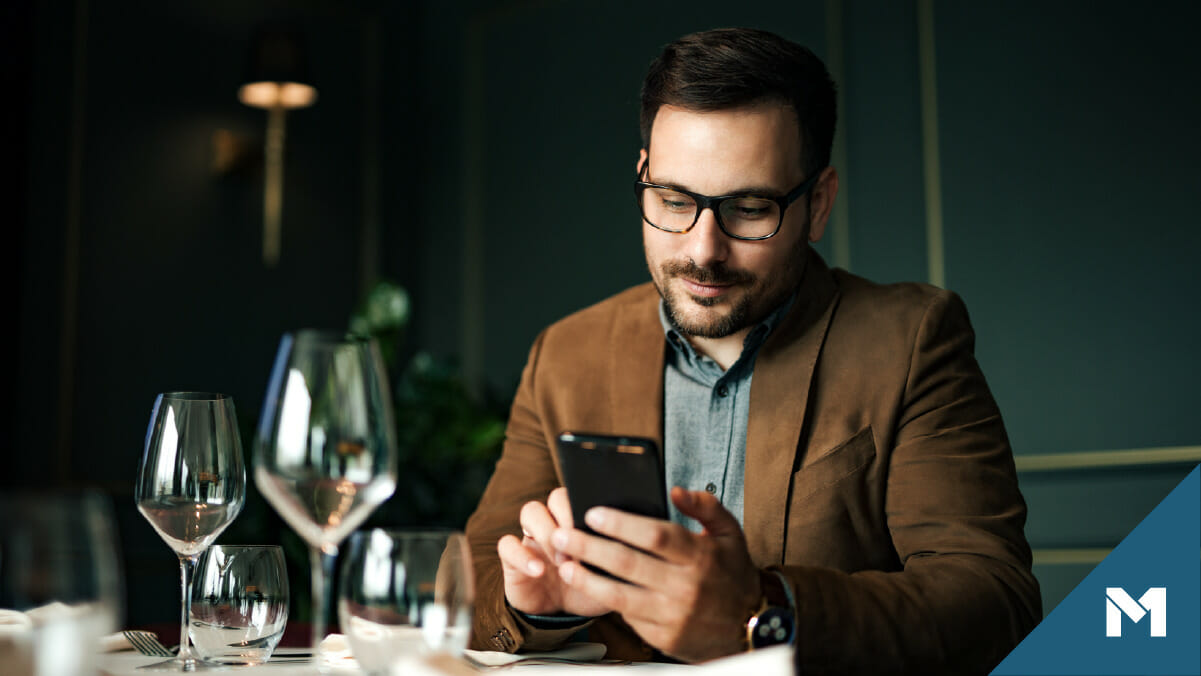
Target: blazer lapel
<point>779,398</point>
<point>637,378</point>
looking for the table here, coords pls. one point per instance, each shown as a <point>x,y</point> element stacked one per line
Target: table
<point>776,661</point>
<point>127,663</point>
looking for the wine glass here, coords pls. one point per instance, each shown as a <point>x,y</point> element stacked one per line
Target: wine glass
<point>60,582</point>
<point>405,595</point>
<point>325,452</point>
<point>191,485</point>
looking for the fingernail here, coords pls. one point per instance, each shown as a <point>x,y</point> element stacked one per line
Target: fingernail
<point>534,567</point>
<point>596,517</point>
<point>566,572</point>
<point>559,539</point>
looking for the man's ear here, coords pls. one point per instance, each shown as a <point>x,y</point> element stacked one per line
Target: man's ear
<point>641,161</point>
<point>821,202</point>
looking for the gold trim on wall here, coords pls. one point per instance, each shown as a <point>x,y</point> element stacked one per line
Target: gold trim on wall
<point>1086,460</point>
<point>471,335</point>
<point>1051,462</point>
<point>931,168</point>
<point>1070,556</point>
<point>840,226</point>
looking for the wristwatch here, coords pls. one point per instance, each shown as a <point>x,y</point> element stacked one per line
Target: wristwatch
<point>774,622</point>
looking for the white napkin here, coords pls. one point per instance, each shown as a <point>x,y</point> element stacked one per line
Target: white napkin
<point>14,622</point>
<point>335,653</point>
<point>115,643</point>
<point>573,652</point>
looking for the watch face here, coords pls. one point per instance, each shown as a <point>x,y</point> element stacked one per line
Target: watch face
<point>773,626</point>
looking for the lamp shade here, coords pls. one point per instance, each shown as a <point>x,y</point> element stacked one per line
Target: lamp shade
<point>277,70</point>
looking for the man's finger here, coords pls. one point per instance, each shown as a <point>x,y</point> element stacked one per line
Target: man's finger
<point>630,564</point>
<point>662,538</point>
<point>537,525</point>
<point>706,509</point>
<point>560,508</point>
<point>618,596</point>
<point>517,559</point>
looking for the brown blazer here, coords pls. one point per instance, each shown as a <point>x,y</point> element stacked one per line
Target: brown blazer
<point>879,478</point>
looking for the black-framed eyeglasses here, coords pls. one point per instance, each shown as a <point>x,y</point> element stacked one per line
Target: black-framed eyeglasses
<point>745,216</point>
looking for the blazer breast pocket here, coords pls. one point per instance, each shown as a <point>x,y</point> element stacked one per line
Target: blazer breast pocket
<point>835,465</point>
<point>836,514</point>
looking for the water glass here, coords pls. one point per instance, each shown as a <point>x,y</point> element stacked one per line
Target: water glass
<point>239,603</point>
<point>60,583</point>
<point>405,595</point>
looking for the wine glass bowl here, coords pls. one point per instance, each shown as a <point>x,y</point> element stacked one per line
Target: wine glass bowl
<point>191,484</point>
<point>325,451</point>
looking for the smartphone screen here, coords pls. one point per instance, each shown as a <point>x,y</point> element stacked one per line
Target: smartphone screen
<point>613,471</point>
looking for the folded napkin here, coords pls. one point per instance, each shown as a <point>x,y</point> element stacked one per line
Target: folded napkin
<point>572,652</point>
<point>114,643</point>
<point>335,653</point>
<point>14,622</point>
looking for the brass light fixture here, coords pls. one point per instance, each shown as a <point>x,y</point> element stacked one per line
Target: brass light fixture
<point>278,80</point>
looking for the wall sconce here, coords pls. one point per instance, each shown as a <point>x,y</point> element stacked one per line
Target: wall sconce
<point>277,80</point>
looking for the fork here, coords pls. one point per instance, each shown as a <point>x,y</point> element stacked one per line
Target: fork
<point>147,643</point>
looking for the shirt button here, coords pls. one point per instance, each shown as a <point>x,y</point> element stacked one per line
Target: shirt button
<point>711,487</point>
<point>722,391</point>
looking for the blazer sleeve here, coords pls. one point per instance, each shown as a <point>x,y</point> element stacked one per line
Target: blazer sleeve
<point>965,594</point>
<point>524,472</point>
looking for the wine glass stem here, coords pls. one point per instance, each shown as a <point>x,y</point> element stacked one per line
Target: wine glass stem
<point>187,565</point>
<point>322,564</point>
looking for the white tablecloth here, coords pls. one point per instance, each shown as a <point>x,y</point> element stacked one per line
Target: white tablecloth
<point>769,662</point>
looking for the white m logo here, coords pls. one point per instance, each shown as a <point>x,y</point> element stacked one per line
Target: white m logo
<point>1154,603</point>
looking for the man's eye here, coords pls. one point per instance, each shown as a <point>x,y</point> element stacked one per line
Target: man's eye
<point>674,201</point>
<point>751,209</point>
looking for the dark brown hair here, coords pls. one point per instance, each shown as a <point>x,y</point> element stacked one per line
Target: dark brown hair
<point>734,67</point>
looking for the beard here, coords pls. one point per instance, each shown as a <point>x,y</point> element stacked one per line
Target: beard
<point>719,326</point>
<point>759,296</point>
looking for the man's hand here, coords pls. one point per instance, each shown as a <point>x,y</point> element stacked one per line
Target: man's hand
<point>690,593</point>
<point>530,565</point>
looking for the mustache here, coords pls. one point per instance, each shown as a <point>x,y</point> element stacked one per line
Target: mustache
<point>716,274</point>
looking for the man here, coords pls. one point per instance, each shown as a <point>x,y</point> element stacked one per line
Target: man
<point>841,475</point>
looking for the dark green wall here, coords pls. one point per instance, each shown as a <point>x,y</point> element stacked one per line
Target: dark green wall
<point>1067,148</point>
<point>503,137</point>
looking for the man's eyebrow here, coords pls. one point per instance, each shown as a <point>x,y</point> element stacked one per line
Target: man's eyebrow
<point>766,191</point>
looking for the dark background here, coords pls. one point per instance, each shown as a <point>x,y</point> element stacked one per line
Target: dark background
<point>480,154</point>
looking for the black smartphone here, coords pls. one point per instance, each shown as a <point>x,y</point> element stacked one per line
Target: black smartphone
<point>612,471</point>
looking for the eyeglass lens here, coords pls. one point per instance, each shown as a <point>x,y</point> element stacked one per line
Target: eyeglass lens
<point>745,216</point>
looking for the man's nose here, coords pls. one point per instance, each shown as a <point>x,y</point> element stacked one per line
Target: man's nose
<point>706,243</point>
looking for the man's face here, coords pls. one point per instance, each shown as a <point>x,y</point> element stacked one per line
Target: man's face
<point>713,285</point>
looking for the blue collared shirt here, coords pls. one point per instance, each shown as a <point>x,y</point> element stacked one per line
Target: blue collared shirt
<point>705,413</point>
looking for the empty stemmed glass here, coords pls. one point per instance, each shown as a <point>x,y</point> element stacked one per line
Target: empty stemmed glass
<point>325,452</point>
<point>191,485</point>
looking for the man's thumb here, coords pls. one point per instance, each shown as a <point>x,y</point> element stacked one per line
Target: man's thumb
<point>707,509</point>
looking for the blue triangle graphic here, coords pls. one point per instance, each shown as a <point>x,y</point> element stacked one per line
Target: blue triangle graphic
<point>1163,551</point>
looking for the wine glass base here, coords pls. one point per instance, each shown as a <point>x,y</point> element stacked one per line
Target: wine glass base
<point>189,665</point>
